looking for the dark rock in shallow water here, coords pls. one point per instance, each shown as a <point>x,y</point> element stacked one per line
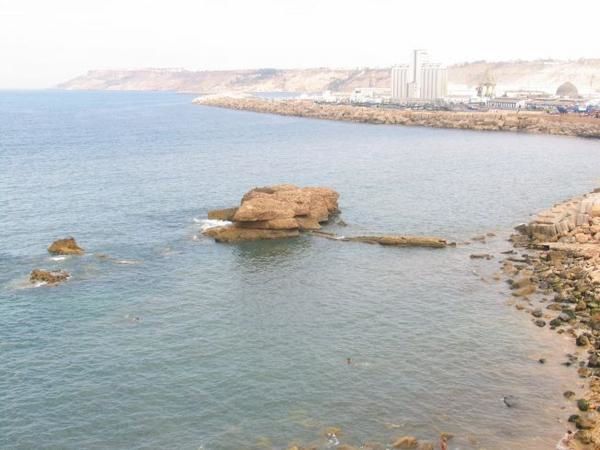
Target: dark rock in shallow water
<point>510,401</point>
<point>537,312</point>
<point>582,340</point>
<point>569,394</point>
<point>540,323</point>
<point>583,404</point>
<point>573,418</point>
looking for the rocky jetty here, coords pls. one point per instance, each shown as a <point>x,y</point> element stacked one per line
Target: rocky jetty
<point>275,212</point>
<point>524,121</point>
<point>563,264</point>
<point>66,246</point>
<point>47,276</point>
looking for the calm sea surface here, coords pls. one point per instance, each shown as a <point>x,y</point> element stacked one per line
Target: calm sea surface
<point>245,346</point>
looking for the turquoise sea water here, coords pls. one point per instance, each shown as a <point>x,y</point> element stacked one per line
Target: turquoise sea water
<point>173,341</point>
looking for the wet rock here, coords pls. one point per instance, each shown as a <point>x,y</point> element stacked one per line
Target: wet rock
<point>66,246</point>
<point>232,234</point>
<point>583,404</point>
<point>401,241</point>
<point>542,360</point>
<point>573,418</point>
<point>522,228</point>
<point>275,224</point>
<point>537,312</point>
<point>582,340</point>
<point>481,256</point>
<point>569,394</point>
<point>222,214</point>
<point>584,423</point>
<point>540,323</point>
<point>584,437</point>
<point>406,442</point>
<point>510,401</point>
<point>47,276</point>
<point>584,372</point>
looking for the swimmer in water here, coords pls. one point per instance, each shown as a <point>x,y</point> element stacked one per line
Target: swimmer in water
<point>349,361</point>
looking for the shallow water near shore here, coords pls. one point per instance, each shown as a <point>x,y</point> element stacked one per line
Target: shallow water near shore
<point>163,339</point>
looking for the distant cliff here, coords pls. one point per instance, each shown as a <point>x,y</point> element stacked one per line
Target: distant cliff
<point>542,75</point>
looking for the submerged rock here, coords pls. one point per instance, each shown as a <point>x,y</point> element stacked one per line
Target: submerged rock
<point>47,276</point>
<point>234,233</point>
<point>66,246</point>
<point>402,241</point>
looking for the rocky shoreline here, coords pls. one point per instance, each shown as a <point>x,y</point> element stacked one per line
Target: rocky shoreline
<point>557,280</point>
<point>527,122</point>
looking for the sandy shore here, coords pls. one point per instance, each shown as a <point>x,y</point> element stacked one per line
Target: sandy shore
<point>529,122</point>
<point>556,279</point>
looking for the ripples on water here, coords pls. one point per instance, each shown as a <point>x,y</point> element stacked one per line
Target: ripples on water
<point>171,342</point>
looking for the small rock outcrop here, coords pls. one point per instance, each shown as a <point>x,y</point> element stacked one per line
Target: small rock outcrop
<point>47,276</point>
<point>67,246</point>
<point>275,212</point>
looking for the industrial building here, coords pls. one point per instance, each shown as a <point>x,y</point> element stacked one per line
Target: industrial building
<point>422,80</point>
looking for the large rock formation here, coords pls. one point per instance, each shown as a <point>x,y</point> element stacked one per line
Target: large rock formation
<point>66,246</point>
<point>275,212</point>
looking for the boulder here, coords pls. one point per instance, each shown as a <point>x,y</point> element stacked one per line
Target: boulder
<point>66,246</point>
<point>222,214</point>
<point>262,208</point>
<point>47,276</point>
<point>235,233</point>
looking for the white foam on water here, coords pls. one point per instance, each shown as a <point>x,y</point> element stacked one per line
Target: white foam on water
<point>58,258</point>
<point>126,261</point>
<point>207,224</point>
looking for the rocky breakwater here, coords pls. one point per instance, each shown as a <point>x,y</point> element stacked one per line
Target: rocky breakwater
<point>275,212</point>
<point>564,266</point>
<point>527,122</point>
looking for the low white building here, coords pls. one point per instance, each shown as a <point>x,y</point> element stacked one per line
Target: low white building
<point>506,103</point>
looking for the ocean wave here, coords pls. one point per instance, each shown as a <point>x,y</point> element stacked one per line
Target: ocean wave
<point>211,223</point>
<point>58,258</point>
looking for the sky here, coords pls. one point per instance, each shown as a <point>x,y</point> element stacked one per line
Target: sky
<point>45,42</point>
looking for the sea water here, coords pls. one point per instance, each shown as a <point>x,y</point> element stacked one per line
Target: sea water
<point>164,339</point>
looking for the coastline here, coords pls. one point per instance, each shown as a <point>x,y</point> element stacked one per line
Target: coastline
<point>526,122</point>
<point>556,279</point>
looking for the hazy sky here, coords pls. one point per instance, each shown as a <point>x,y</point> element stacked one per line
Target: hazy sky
<point>45,42</point>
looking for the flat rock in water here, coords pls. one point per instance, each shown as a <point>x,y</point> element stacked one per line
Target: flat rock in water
<point>237,234</point>
<point>402,241</point>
